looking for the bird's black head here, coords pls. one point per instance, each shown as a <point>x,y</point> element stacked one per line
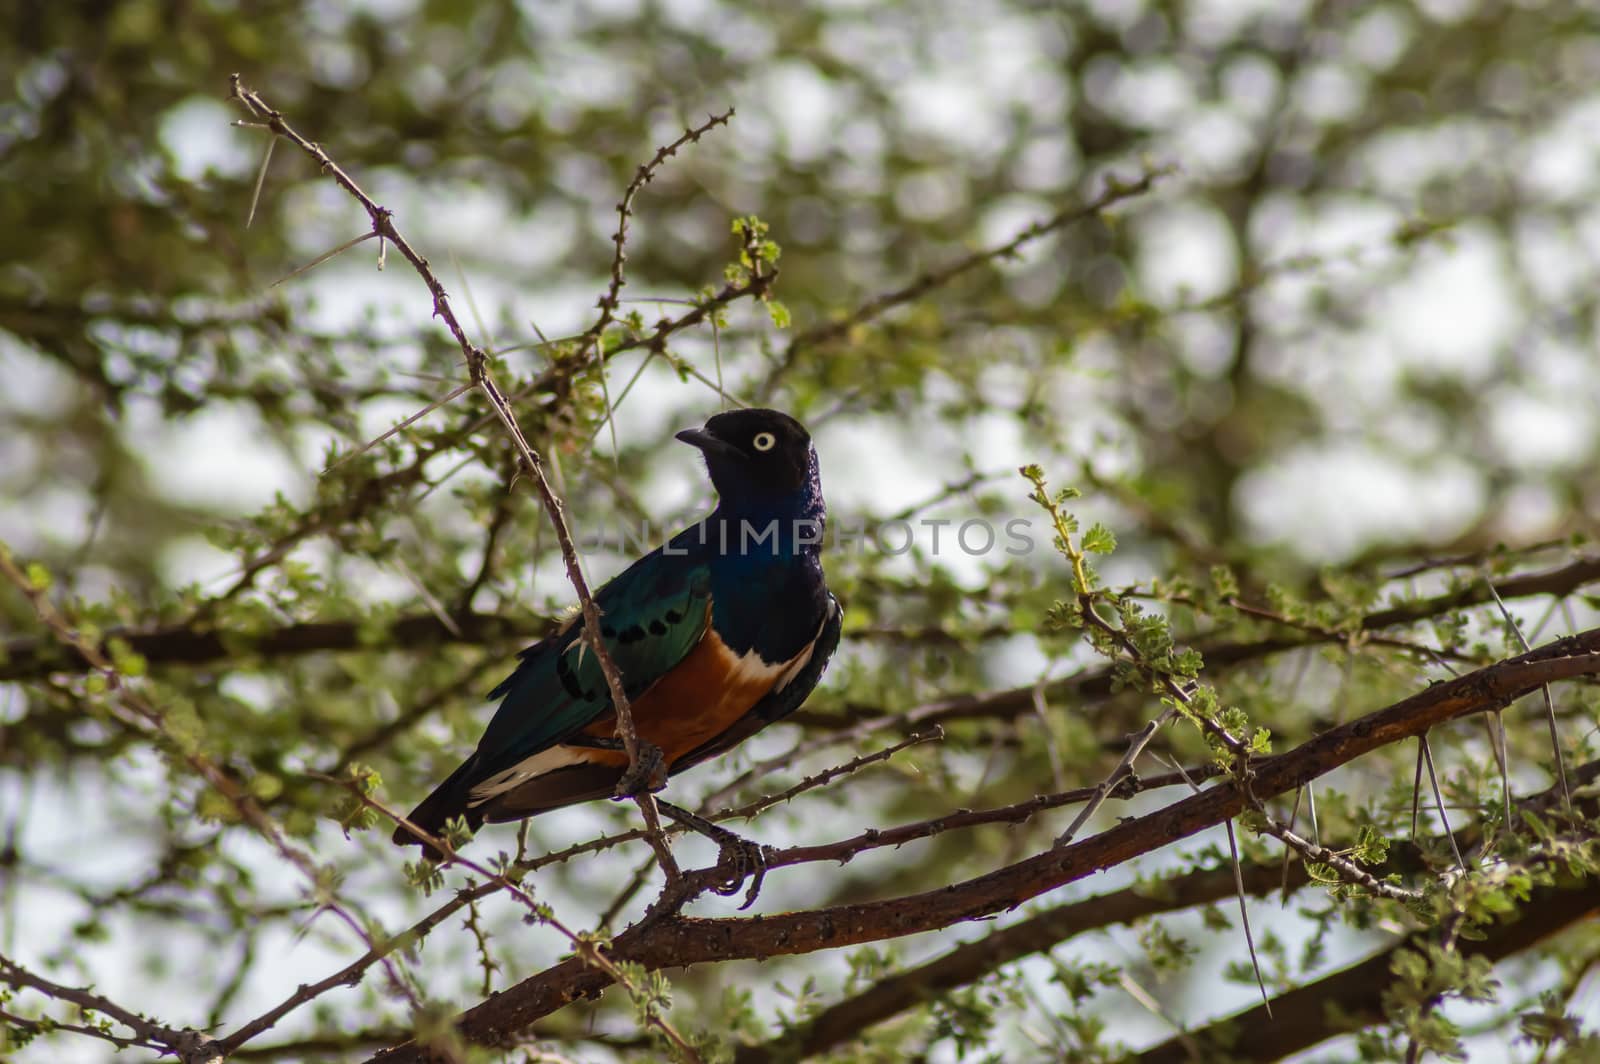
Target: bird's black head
<point>756,454</point>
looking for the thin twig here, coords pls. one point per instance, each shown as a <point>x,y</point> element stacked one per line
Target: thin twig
<point>190,1047</point>
<point>1102,791</point>
<point>1347,869</point>
<point>827,776</point>
<point>676,941</point>
<point>589,949</point>
<point>619,258</point>
<point>1115,191</point>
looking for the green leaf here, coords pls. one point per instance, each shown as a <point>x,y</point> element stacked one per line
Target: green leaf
<point>1099,540</point>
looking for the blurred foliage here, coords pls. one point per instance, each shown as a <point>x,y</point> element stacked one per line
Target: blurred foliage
<point>1338,361</point>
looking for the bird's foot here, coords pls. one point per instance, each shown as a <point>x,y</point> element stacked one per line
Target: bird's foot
<point>738,858</point>
<point>1128,786</point>
<point>647,774</point>
<point>744,859</point>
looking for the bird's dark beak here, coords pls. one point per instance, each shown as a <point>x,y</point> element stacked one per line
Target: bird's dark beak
<point>706,442</point>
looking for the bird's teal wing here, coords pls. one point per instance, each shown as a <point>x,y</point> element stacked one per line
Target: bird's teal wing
<point>652,615</point>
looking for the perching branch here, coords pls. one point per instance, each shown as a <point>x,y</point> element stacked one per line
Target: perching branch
<point>971,961</point>
<point>352,973</point>
<point>678,941</point>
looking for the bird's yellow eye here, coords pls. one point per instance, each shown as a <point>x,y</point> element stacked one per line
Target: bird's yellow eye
<point>764,441</point>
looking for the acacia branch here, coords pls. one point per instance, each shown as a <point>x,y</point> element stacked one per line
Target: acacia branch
<point>477,362</point>
<point>1114,192</point>
<point>619,258</point>
<point>190,643</point>
<point>1097,683</point>
<point>190,1047</point>
<point>366,495</point>
<point>678,941</point>
<point>1353,998</point>
<point>1043,931</point>
<point>352,973</point>
<point>585,946</point>
<point>194,643</point>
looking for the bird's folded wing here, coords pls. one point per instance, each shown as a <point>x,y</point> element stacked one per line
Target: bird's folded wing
<point>652,615</point>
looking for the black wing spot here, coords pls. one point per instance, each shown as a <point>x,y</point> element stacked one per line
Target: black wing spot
<point>674,616</point>
<point>657,628</point>
<point>632,634</point>
<point>569,680</point>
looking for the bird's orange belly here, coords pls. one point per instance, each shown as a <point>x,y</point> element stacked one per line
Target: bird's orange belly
<point>703,697</point>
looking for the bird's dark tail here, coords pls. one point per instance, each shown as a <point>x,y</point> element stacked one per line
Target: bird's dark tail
<point>448,800</point>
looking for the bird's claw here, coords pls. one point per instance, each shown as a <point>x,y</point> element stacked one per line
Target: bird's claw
<point>1128,786</point>
<point>743,859</point>
<point>738,858</point>
<point>647,774</point>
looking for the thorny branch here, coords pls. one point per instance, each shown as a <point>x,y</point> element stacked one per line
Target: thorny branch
<point>352,973</point>
<point>1043,930</point>
<point>27,657</point>
<point>643,176</point>
<point>190,1047</point>
<point>680,941</point>
<point>1115,191</point>
<point>340,510</point>
<point>585,947</point>
<point>477,361</point>
<point>130,706</point>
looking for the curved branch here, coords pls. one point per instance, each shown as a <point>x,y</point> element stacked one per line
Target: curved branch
<point>677,941</point>
<point>190,1047</point>
<point>970,961</point>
